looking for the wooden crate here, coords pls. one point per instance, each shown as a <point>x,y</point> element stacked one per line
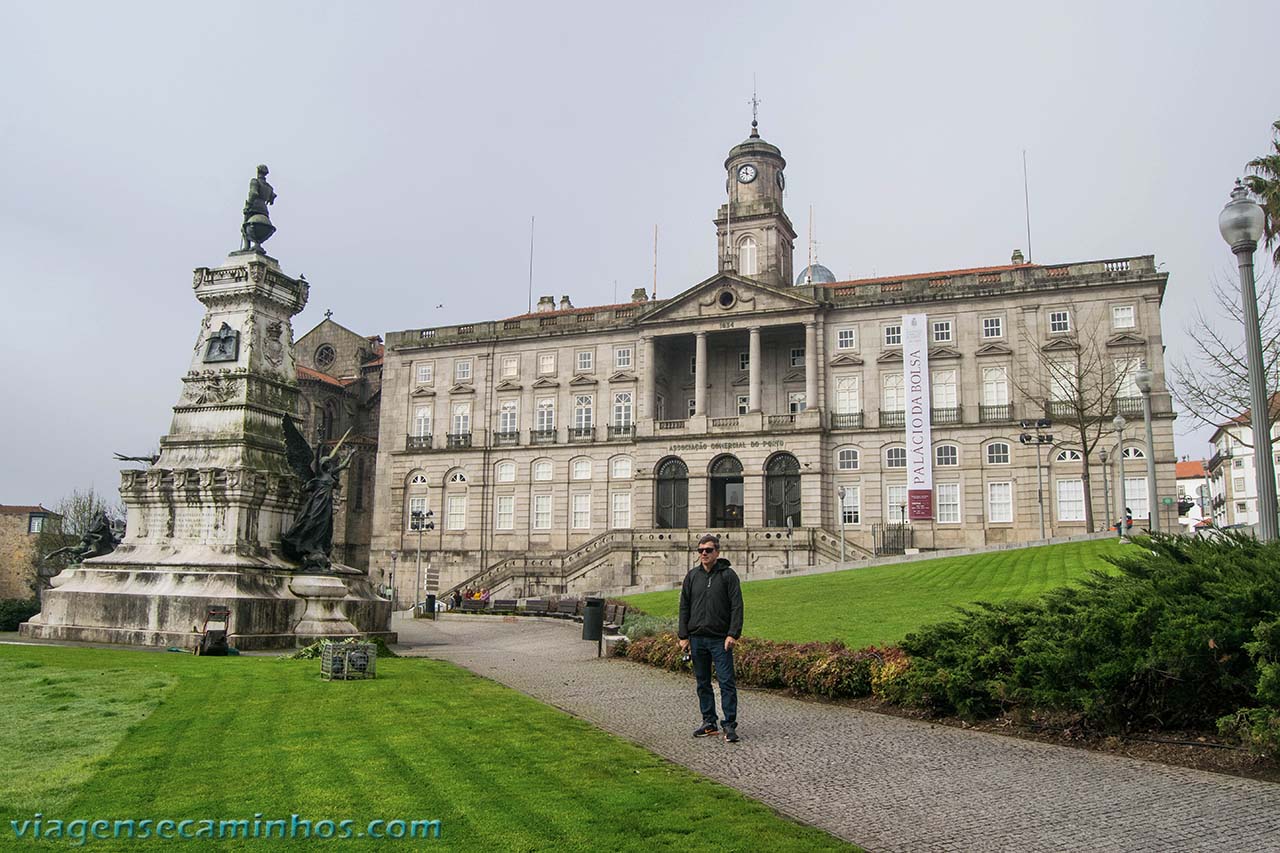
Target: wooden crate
<point>348,661</point>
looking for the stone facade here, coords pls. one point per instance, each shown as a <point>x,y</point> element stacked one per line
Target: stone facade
<point>20,527</point>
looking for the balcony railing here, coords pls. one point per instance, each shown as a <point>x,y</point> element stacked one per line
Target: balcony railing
<point>671,424</point>
<point>782,420</point>
<point>617,431</point>
<point>506,438</point>
<point>846,420</point>
<point>583,433</point>
<point>1130,407</point>
<point>1060,409</point>
<point>459,439</point>
<point>418,442</point>
<point>724,423</point>
<point>542,436</point>
<point>1216,459</point>
<point>893,418</point>
<point>1002,412</point>
<point>945,416</point>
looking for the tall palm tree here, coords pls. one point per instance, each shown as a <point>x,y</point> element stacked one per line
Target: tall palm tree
<point>1265,184</point>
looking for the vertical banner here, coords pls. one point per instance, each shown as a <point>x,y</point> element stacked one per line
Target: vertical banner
<point>915,380</point>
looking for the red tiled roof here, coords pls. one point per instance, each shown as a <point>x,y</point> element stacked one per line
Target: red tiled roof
<point>24,510</point>
<point>1246,417</point>
<point>317,376</point>
<point>558,312</point>
<point>939,274</point>
<point>1188,470</point>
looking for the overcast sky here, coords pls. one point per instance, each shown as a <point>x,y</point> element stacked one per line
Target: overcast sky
<point>411,143</point>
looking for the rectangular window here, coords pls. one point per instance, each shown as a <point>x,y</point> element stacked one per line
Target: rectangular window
<point>506,515</point>
<point>942,332</point>
<point>943,388</point>
<point>891,399</point>
<point>895,508</point>
<point>995,386</point>
<point>1241,507</point>
<point>586,361</point>
<point>35,524</point>
<point>693,365</point>
<point>948,509</point>
<point>795,402</point>
<point>620,468</point>
<point>1070,500</point>
<point>581,511</point>
<point>744,361</point>
<point>1237,484</point>
<point>693,406</point>
<point>1000,503</point>
<point>1122,317</point>
<point>893,335</point>
<point>1126,372</point>
<point>797,356</point>
<point>509,416</point>
<point>848,395</point>
<point>992,327</point>
<point>510,366</point>
<point>1059,322</point>
<point>422,421</point>
<point>622,358</point>
<point>1135,497</point>
<point>456,514</point>
<point>1062,381</point>
<point>542,512</point>
<point>426,373</point>
<point>847,338</point>
<point>621,510</point>
<point>582,469</point>
<point>744,403</point>
<point>546,410</point>
<point>461,418</point>
<point>546,364</point>
<point>462,370</point>
<point>851,505</point>
<point>622,409</point>
<point>416,505</point>
<point>583,406</point>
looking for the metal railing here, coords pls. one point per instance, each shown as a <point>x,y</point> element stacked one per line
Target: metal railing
<point>1001,412</point>
<point>506,438</point>
<point>418,442</point>
<point>945,416</point>
<point>846,420</point>
<point>459,439</point>
<point>893,418</point>
<point>582,433</point>
<point>542,436</point>
<point>621,431</point>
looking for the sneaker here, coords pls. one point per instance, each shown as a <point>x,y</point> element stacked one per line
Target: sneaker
<point>705,730</point>
<point>731,732</point>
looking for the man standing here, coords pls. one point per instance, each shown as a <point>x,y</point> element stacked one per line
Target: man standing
<point>710,624</point>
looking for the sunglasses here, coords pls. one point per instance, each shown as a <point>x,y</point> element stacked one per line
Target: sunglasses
<point>706,550</point>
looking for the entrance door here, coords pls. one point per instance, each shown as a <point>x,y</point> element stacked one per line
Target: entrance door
<point>782,491</point>
<point>726,492</point>
<point>671,502</point>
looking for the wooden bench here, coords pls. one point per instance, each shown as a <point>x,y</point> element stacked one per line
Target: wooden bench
<point>474,605</point>
<point>537,607</point>
<point>567,607</point>
<point>613,616</point>
<point>504,605</point>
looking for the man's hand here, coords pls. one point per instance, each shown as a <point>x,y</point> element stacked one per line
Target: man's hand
<point>684,645</point>
<point>729,643</point>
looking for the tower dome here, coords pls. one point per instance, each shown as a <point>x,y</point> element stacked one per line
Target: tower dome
<point>815,274</point>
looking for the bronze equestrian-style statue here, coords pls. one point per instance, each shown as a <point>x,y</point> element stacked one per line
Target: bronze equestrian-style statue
<point>257,225</point>
<point>101,539</point>
<point>310,538</point>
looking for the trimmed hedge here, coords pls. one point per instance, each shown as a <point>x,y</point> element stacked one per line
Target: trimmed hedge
<point>821,669</point>
<point>15,611</point>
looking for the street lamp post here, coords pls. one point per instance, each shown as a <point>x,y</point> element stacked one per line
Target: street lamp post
<point>1038,439</point>
<point>1106,485</point>
<point>841,491</point>
<point>1241,225</point>
<point>1143,378</point>
<point>1118,423</point>
<point>394,557</point>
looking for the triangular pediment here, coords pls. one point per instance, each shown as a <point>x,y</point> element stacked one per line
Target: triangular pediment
<point>725,296</point>
<point>1060,345</point>
<point>544,382</point>
<point>938,353</point>
<point>846,360</point>
<point>508,385</point>
<point>581,380</point>
<point>793,376</point>
<point>423,391</point>
<point>460,388</point>
<point>890,355</point>
<point>994,349</point>
<point>622,376</point>
<point>1124,339</point>
<point>742,380</point>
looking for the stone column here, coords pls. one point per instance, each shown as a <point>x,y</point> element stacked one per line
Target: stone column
<point>650,379</point>
<point>753,370</point>
<point>810,365</point>
<point>700,376</point>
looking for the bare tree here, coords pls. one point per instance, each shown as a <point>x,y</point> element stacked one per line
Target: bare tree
<point>1079,380</point>
<point>1211,384</point>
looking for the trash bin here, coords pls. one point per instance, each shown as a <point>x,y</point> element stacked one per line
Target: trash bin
<point>430,605</point>
<point>593,619</point>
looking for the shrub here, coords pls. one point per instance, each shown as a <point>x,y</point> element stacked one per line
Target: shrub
<point>316,649</point>
<point>1257,729</point>
<point>637,625</point>
<point>15,611</point>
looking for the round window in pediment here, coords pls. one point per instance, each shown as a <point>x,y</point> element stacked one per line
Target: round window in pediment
<point>726,299</point>
<point>325,355</point>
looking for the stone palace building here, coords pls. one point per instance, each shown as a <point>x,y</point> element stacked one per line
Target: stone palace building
<point>575,449</point>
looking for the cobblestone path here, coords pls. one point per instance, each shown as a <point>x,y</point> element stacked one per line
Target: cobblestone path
<point>882,782</point>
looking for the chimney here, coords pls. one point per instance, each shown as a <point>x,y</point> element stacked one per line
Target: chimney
<point>565,304</point>
<point>546,303</point>
<point>1017,257</point>
<point>639,295</point>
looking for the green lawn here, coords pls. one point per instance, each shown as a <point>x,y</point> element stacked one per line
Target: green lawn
<point>94,734</point>
<point>882,604</point>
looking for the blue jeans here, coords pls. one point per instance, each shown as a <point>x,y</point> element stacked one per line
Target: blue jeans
<point>705,651</point>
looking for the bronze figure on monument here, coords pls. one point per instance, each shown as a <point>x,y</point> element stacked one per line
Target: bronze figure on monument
<point>310,539</point>
<point>257,225</point>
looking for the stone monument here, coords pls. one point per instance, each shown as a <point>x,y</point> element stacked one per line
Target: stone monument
<point>206,519</point>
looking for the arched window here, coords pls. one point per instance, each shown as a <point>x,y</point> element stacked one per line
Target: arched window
<point>727,492</point>
<point>782,491</point>
<point>895,457</point>
<point>671,497</point>
<point>946,456</point>
<point>506,472</point>
<point>542,470</point>
<point>417,499</point>
<point>847,459</point>
<point>747,256</point>
<point>620,468</point>
<point>458,477</point>
<point>582,469</point>
<point>418,480</point>
<point>1068,456</point>
<point>997,453</point>
<point>1134,453</point>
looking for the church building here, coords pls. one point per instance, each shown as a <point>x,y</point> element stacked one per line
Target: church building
<point>579,449</point>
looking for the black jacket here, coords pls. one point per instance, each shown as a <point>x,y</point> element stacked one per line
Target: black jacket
<point>711,602</point>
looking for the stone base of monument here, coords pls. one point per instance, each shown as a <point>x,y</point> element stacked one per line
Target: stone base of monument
<point>161,606</point>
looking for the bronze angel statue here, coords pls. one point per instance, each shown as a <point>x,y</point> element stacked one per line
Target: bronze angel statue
<point>310,539</point>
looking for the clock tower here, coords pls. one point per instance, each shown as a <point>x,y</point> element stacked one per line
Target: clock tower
<point>754,237</point>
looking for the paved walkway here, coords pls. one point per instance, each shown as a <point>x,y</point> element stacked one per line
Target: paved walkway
<point>885,783</point>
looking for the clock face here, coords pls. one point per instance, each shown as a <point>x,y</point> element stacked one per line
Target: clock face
<point>746,174</point>
<point>782,182</point>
